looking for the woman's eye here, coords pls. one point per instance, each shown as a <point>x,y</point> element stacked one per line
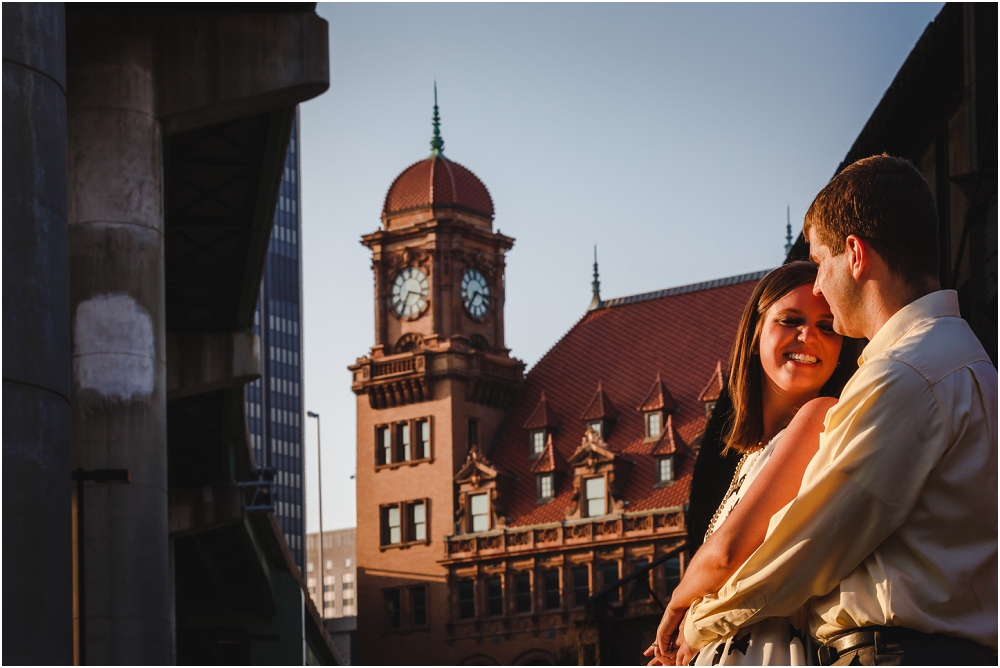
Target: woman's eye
<point>790,322</point>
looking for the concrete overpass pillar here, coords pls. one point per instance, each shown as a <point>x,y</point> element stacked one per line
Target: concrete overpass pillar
<point>37,553</point>
<point>119,341</point>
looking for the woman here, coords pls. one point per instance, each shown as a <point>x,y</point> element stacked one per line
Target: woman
<point>788,365</point>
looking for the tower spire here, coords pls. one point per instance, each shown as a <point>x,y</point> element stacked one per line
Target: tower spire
<point>595,302</point>
<point>437,143</point>
<point>788,230</point>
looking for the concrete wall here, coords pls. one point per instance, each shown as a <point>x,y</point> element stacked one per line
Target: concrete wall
<point>37,551</point>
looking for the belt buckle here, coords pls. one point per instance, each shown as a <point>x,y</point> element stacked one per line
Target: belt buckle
<point>827,655</point>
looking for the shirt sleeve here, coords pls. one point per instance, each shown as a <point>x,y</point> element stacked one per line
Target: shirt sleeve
<point>879,445</point>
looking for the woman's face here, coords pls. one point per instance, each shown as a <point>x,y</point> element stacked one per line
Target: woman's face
<point>798,347</point>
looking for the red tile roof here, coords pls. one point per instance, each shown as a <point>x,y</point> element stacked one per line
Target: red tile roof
<point>680,332</point>
<point>437,181</point>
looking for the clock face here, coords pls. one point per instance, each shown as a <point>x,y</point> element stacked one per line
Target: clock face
<point>475,294</point>
<point>409,293</point>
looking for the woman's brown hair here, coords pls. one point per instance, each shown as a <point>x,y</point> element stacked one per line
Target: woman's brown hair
<point>747,419</point>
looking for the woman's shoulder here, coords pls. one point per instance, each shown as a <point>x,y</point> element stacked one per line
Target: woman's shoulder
<point>814,410</point>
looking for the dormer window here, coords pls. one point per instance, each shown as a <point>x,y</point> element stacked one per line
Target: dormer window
<point>537,437</point>
<point>546,488</point>
<point>479,512</point>
<point>665,470</point>
<point>654,424</point>
<point>669,447</point>
<point>596,498</point>
<point>601,414</point>
<point>713,390</point>
<point>541,425</point>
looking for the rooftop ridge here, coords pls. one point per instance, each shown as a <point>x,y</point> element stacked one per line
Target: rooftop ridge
<point>684,289</point>
<point>657,294</point>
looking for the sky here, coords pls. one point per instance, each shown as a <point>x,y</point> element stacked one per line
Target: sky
<point>671,136</point>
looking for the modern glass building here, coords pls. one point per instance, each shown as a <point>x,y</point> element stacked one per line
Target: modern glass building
<point>274,402</point>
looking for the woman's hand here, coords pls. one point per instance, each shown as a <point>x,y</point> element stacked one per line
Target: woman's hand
<point>685,653</point>
<point>663,650</point>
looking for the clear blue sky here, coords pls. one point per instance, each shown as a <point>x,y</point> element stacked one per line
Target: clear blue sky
<point>671,135</point>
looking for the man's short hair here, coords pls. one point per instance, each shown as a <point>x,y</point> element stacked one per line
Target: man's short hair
<point>886,202</point>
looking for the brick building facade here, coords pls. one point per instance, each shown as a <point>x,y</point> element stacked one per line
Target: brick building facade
<point>493,505</point>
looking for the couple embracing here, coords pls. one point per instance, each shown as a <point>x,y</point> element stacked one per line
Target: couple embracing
<point>861,524</point>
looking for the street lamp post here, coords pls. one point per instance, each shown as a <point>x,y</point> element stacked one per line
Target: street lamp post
<point>319,476</point>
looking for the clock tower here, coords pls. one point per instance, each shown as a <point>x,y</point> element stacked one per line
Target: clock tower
<point>434,386</point>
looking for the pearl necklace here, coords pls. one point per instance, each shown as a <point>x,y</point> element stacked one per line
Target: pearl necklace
<point>734,487</point>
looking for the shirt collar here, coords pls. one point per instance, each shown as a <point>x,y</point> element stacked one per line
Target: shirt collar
<point>938,304</point>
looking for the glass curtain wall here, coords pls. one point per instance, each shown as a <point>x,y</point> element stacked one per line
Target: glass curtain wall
<point>275,402</point>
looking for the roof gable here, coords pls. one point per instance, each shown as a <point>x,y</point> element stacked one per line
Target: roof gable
<point>550,461</point>
<point>542,417</point>
<point>670,442</point>
<point>600,407</point>
<point>659,398</point>
<point>713,389</point>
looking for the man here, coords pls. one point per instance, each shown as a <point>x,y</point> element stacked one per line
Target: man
<point>892,538</point>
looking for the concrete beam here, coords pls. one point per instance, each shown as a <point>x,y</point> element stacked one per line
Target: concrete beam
<point>204,508</point>
<point>199,362</point>
<point>219,67</point>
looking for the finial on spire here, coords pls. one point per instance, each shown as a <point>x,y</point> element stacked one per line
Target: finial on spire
<point>437,143</point>
<point>595,302</point>
<point>788,231</point>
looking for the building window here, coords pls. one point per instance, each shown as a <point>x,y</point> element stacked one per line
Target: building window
<point>347,562</point>
<point>418,605</point>
<point>393,609</point>
<point>522,592</point>
<point>545,491</point>
<point>309,567</point>
<point>466,599</point>
<point>665,470</point>
<point>641,582</point>
<point>423,439</point>
<point>597,426</point>
<point>391,529</point>
<point>609,575</point>
<point>473,432</point>
<point>671,573</point>
<point>581,585</point>
<point>416,521</point>
<point>403,441</point>
<point>402,524</point>
<point>383,439</point>
<point>654,424</point>
<point>494,597</point>
<point>479,512</point>
<point>550,589</point>
<point>329,564</point>
<point>537,442</point>
<point>594,488</point>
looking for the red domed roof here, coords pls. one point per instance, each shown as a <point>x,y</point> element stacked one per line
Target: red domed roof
<point>437,181</point>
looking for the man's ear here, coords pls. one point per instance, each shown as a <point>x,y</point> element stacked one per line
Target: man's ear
<point>858,253</point>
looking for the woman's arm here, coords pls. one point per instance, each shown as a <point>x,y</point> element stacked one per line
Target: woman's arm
<point>745,528</point>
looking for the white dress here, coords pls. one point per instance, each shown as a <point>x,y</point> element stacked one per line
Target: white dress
<point>773,641</point>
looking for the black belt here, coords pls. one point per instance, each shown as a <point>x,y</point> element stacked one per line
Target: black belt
<point>869,636</point>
